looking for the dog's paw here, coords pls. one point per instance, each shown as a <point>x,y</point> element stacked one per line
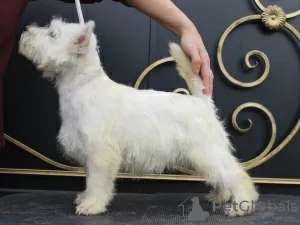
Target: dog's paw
<point>83,210</point>
<point>234,212</point>
<point>89,204</point>
<point>240,208</point>
<point>89,207</point>
<point>212,196</point>
<point>218,196</point>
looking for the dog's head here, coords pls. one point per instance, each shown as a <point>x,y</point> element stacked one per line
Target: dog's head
<point>58,46</point>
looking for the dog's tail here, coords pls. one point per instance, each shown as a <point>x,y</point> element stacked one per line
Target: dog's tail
<point>184,68</point>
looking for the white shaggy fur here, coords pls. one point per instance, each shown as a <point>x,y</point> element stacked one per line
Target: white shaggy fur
<point>107,126</point>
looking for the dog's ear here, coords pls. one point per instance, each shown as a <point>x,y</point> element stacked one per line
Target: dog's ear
<point>82,39</point>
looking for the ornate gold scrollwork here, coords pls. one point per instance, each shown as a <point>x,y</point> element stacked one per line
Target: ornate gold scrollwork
<point>42,157</point>
<point>274,18</point>
<point>273,123</point>
<point>288,16</point>
<point>247,57</point>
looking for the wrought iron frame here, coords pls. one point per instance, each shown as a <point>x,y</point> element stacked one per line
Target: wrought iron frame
<point>274,18</point>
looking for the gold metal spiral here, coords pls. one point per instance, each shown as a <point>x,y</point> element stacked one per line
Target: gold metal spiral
<point>272,121</point>
<point>264,76</point>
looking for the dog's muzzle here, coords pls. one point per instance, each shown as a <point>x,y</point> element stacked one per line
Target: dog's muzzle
<point>27,36</point>
<point>23,44</point>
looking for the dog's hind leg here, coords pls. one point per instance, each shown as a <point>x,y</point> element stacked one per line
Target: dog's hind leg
<point>225,174</point>
<point>102,169</point>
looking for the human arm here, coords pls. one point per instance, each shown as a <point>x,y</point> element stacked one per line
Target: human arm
<point>170,16</point>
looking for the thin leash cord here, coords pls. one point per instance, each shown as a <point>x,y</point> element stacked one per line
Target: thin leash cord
<point>79,11</point>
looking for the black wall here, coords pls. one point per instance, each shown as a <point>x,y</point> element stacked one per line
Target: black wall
<point>129,42</point>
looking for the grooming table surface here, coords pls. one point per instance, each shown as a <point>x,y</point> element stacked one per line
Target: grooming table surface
<point>138,209</point>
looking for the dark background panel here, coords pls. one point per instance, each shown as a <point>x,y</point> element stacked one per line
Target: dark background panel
<point>130,41</point>
<point>31,102</point>
<point>123,35</point>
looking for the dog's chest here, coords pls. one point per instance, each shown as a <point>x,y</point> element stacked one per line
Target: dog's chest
<point>71,136</point>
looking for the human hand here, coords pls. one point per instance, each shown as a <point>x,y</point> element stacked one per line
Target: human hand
<point>193,46</point>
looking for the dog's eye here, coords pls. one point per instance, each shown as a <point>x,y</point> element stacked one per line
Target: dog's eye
<point>52,34</point>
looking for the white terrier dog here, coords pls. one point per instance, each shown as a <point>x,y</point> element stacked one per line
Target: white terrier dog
<point>107,126</point>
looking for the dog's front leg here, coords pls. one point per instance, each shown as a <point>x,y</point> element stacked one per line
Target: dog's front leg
<point>102,169</point>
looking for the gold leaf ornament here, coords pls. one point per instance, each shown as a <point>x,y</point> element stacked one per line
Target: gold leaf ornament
<point>273,17</point>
